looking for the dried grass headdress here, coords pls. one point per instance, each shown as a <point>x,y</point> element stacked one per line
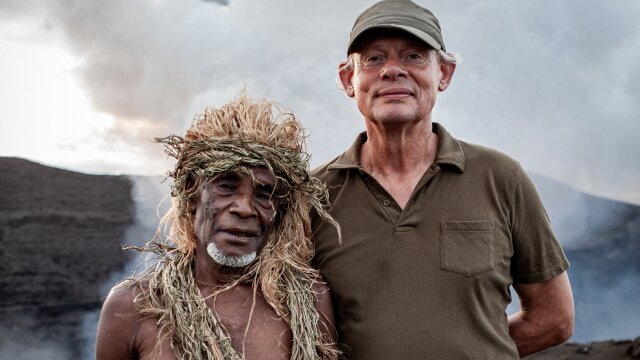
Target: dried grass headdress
<point>242,134</point>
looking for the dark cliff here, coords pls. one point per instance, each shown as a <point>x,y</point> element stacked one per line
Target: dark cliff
<point>60,234</point>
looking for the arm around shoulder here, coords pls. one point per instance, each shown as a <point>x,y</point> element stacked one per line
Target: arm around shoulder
<point>117,326</point>
<point>546,316</point>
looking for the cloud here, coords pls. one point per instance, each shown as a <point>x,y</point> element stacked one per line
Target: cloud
<point>221,2</point>
<point>551,83</point>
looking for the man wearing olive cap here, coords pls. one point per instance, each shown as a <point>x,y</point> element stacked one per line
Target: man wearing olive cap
<point>434,230</point>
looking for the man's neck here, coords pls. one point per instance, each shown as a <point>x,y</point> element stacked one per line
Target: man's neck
<point>397,158</point>
<point>399,150</point>
<point>211,275</point>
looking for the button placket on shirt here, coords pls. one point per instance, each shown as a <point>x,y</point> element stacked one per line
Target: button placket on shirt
<point>381,196</point>
<point>407,219</point>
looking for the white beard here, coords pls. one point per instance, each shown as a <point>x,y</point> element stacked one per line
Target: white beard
<point>230,261</point>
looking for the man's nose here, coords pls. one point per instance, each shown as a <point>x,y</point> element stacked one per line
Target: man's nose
<point>243,206</point>
<point>393,68</point>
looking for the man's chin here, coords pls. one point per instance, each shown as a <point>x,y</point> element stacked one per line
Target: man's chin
<point>394,115</point>
<point>228,260</point>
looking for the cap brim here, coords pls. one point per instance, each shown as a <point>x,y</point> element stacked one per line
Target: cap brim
<point>413,31</point>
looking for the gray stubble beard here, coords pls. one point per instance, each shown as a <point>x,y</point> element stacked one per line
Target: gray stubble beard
<point>230,261</point>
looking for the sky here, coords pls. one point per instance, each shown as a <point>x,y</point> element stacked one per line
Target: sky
<point>87,84</point>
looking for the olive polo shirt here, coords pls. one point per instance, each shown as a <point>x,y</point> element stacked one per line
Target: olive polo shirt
<point>431,281</point>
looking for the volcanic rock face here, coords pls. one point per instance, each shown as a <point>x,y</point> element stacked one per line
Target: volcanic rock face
<point>60,234</point>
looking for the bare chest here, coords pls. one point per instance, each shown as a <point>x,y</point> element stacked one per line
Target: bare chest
<point>254,328</point>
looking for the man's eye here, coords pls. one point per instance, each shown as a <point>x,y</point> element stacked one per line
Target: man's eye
<point>263,195</point>
<point>225,186</point>
<point>264,200</point>
<point>373,60</point>
<point>415,58</point>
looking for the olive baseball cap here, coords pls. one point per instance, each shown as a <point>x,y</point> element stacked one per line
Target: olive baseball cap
<point>399,14</point>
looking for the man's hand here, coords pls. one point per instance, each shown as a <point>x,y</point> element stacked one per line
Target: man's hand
<point>546,315</point>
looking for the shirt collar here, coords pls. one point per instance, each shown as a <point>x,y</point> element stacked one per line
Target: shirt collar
<point>449,151</point>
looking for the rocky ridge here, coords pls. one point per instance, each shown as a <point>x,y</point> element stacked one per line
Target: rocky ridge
<point>60,234</point>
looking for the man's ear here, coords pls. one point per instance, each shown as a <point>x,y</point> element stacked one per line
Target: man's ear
<point>446,69</point>
<point>346,78</point>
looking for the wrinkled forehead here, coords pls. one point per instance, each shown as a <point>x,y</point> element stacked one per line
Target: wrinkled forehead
<point>260,177</point>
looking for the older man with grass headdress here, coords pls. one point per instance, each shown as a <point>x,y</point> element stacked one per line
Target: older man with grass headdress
<point>232,279</point>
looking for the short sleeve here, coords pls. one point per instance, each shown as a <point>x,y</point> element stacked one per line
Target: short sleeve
<point>538,255</point>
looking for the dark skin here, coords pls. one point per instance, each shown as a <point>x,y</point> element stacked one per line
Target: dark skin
<point>236,212</point>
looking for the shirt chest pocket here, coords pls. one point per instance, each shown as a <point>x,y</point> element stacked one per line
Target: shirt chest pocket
<point>466,247</point>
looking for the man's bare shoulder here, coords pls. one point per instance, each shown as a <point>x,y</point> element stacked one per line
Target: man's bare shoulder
<point>116,327</point>
<point>122,329</point>
<point>121,297</point>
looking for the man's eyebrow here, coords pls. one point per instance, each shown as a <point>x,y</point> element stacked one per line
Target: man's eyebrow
<point>261,185</point>
<point>227,176</point>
